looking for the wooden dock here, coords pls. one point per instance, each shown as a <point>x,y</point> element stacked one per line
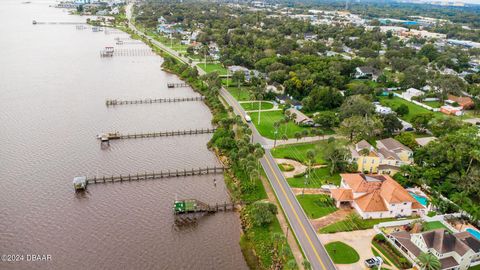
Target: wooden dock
<point>187,212</point>
<point>105,137</point>
<point>177,85</point>
<point>154,175</point>
<point>61,23</point>
<point>113,102</point>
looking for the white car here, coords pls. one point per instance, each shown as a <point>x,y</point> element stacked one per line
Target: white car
<point>372,262</point>
<point>248,118</point>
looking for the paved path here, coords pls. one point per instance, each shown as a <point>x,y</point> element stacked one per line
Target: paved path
<point>336,216</point>
<point>305,233</point>
<point>298,191</point>
<point>298,167</point>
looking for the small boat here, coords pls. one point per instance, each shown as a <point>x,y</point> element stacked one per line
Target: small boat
<point>105,137</point>
<point>34,22</point>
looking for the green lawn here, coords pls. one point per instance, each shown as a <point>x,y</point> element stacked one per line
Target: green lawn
<point>433,104</point>
<point>345,226</point>
<point>316,206</point>
<point>342,253</point>
<point>433,225</point>
<point>299,151</point>
<point>240,94</point>
<point>212,67</point>
<point>267,130</point>
<point>477,267</point>
<point>413,109</point>
<point>315,179</point>
<point>250,106</point>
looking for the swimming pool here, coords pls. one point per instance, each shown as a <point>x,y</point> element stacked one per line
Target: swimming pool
<point>422,200</point>
<point>474,232</point>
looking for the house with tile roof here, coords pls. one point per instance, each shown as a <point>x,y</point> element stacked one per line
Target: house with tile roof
<point>455,251</point>
<point>387,158</point>
<point>375,196</point>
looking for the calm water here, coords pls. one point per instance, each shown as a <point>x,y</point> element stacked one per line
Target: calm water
<point>53,86</point>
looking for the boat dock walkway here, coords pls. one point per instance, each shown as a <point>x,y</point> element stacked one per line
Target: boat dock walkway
<point>113,102</point>
<point>81,182</point>
<point>105,137</point>
<point>110,52</point>
<point>188,212</point>
<point>63,23</point>
<point>177,85</point>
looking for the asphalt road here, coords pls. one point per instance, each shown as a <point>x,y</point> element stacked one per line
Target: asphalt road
<point>301,226</point>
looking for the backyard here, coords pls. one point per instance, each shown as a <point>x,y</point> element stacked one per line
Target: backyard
<point>316,205</point>
<point>316,178</point>
<point>413,109</point>
<point>342,253</point>
<point>433,225</point>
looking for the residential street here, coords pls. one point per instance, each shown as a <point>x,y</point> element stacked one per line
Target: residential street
<point>305,233</point>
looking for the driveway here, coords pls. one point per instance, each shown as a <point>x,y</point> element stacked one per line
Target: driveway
<point>359,240</point>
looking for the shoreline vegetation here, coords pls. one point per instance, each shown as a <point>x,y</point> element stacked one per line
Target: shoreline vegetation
<point>263,242</point>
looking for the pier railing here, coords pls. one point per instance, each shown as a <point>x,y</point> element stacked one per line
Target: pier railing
<point>154,175</point>
<point>113,102</point>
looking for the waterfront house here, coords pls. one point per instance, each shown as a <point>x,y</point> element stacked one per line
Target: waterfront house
<point>375,196</point>
<point>455,251</point>
<point>387,158</point>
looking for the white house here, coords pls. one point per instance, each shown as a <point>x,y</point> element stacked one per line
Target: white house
<point>412,92</point>
<point>375,196</point>
<point>367,72</point>
<point>458,251</point>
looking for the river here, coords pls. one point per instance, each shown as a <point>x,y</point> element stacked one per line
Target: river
<point>53,87</point>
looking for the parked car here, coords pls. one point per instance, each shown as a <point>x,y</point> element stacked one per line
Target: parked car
<point>248,118</point>
<point>372,262</point>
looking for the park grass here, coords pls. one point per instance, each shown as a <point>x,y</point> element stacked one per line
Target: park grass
<point>213,67</point>
<point>347,226</point>
<point>299,151</point>
<point>266,129</point>
<point>433,225</point>
<point>316,205</point>
<point>250,106</point>
<point>240,94</point>
<point>316,178</point>
<point>477,267</point>
<point>413,109</point>
<point>342,253</point>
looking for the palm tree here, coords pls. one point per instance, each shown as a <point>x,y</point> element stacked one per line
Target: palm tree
<point>428,261</point>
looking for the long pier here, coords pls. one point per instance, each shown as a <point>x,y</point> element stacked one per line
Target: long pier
<point>113,102</point>
<point>151,175</point>
<point>177,85</point>
<point>105,137</point>
<point>127,52</point>
<point>62,23</point>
